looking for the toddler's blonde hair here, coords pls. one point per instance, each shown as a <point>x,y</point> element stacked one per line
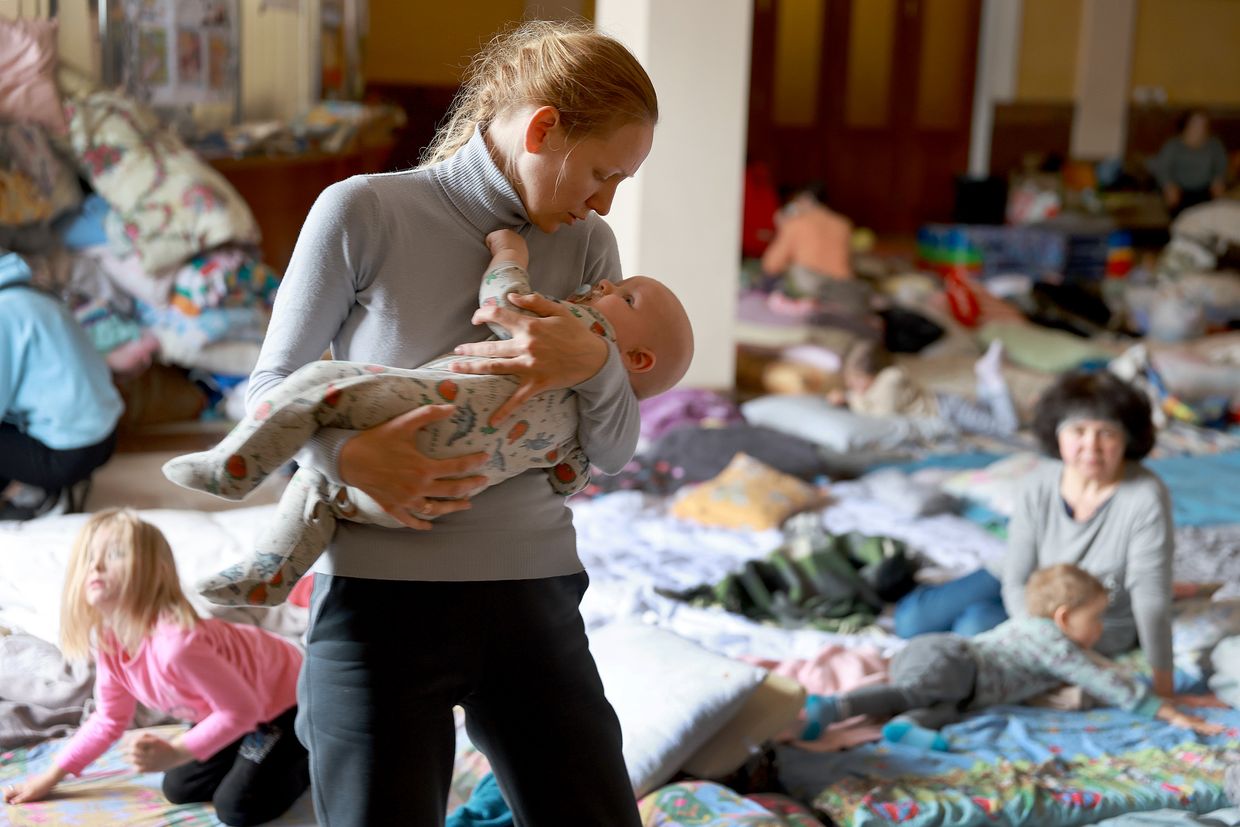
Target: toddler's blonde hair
<point>591,79</point>
<point>1062,584</point>
<point>150,589</point>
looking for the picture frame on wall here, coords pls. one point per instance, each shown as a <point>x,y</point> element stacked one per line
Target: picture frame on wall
<point>176,56</point>
<point>342,30</point>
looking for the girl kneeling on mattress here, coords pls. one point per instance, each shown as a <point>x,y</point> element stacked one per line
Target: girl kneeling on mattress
<point>122,598</point>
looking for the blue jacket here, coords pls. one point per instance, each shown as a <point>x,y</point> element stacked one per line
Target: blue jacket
<point>54,386</point>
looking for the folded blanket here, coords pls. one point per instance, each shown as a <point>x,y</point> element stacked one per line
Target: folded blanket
<point>41,694</point>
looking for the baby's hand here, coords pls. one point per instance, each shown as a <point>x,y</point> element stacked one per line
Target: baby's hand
<point>507,245</point>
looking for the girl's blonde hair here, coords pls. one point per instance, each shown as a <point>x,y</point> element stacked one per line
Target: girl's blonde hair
<point>150,589</point>
<point>591,79</point>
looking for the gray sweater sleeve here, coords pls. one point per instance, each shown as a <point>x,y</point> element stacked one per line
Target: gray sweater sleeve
<point>1148,579</point>
<point>1020,559</point>
<point>608,418</point>
<point>318,290</point>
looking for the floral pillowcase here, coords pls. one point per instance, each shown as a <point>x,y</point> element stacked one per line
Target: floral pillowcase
<point>167,203</point>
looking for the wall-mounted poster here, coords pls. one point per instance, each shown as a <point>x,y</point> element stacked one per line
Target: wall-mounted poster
<point>174,53</point>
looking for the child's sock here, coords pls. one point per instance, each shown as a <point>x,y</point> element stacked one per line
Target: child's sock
<point>989,368</point>
<point>820,712</point>
<point>904,731</point>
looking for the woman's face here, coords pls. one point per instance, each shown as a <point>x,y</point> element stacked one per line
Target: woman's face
<point>562,179</point>
<point>1094,448</point>
<point>1197,130</point>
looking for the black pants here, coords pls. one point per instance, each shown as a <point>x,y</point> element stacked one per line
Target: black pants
<point>26,459</point>
<point>1191,198</point>
<point>252,780</point>
<point>387,660</point>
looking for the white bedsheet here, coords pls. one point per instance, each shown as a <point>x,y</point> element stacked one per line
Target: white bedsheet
<point>35,554</point>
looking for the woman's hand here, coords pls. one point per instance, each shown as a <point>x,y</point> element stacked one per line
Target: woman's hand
<point>1184,721</point>
<point>385,462</point>
<point>1171,194</point>
<point>34,788</point>
<point>548,351</point>
<point>150,753</point>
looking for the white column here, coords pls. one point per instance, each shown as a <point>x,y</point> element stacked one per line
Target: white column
<point>679,220</point>
<point>998,53</point>
<point>1104,63</point>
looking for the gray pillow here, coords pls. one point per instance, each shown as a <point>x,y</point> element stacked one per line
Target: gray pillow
<point>839,429</point>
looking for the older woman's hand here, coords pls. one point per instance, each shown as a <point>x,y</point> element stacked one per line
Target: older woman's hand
<point>548,351</point>
<point>385,462</point>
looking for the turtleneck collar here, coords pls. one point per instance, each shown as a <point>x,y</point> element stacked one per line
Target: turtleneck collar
<point>476,186</point>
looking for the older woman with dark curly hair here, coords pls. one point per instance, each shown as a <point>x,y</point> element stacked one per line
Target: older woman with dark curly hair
<point>1093,504</point>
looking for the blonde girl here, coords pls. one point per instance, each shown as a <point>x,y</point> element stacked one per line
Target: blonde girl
<point>122,601</point>
<point>479,608</point>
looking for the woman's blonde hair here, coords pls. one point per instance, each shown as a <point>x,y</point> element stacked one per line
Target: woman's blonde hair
<point>1062,584</point>
<point>591,79</point>
<point>150,589</point>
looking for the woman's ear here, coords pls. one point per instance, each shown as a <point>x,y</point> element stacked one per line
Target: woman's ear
<point>540,130</point>
<point>638,359</point>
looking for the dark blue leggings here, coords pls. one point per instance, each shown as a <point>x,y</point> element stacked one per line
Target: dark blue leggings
<point>968,606</point>
<point>387,660</point>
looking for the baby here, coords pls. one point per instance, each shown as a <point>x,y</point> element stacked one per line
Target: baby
<point>642,316</point>
<point>936,678</point>
<point>876,387</point>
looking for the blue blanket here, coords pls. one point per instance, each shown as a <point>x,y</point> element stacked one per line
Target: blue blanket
<point>1022,766</point>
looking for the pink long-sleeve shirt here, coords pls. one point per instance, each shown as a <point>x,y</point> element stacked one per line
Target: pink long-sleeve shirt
<point>225,677</point>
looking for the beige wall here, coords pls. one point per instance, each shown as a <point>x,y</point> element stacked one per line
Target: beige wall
<point>429,43</point>
<point>1191,48</point>
<point>1049,34</point>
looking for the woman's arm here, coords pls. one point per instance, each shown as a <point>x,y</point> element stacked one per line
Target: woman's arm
<point>1020,559</point>
<point>1148,581</point>
<point>332,262</point>
<point>1218,168</point>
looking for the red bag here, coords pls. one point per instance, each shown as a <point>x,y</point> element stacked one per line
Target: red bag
<point>961,299</point>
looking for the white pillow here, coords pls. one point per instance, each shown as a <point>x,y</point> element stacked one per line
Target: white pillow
<point>670,695</point>
<point>839,429</point>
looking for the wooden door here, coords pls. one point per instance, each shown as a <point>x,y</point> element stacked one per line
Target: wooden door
<point>884,120</point>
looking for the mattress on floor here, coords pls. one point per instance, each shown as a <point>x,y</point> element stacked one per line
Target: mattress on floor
<point>1022,766</point>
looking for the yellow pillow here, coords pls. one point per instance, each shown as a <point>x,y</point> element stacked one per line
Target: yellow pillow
<point>746,494</point>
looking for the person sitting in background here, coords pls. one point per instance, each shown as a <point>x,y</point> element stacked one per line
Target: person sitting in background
<point>873,386</point>
<point>1093,504</point>
<point>1191,167</point>
<point>811,243</point>
<point>936,678</point>
<point>58,406</point>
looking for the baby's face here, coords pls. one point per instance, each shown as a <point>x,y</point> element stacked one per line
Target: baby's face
<point>651,328</point>
<point>629,306</point>
<point>1083,625</point>
<point>857,381</point>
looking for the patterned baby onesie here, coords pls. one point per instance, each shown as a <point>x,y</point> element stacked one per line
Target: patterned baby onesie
<point>542,433</point>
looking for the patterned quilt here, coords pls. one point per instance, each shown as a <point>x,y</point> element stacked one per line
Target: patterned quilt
<point>110,793</point>
<point>1022,766</point>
